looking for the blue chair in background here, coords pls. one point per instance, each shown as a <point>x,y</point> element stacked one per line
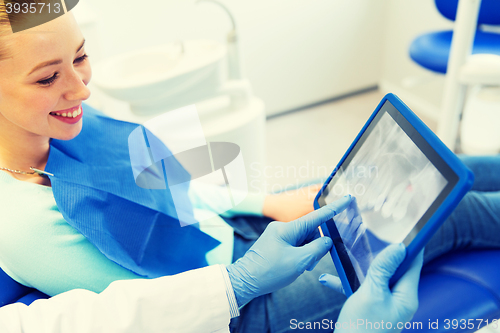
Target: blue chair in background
<point>432,50</point>
<point>447,52</point>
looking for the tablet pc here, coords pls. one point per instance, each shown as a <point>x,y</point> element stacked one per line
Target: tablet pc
<point>404,181</point>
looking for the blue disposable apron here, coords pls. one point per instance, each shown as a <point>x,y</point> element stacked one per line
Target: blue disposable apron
<point>96,189</point>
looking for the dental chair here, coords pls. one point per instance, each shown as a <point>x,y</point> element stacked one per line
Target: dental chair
<point>12,292</point>
<point>460,290</point>
<point>449,52</point>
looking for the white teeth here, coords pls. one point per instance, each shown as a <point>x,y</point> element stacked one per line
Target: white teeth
<point>73,114</point>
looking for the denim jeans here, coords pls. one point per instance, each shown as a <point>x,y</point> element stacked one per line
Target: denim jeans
<point>474,224</point>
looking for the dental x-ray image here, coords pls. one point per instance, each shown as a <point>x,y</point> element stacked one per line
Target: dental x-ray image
<point>393,184</point>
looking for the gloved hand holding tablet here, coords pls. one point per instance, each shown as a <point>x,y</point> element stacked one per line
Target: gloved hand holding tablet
<point>404,182</point>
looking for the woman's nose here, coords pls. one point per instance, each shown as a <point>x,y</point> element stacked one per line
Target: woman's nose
<point>77,88</point>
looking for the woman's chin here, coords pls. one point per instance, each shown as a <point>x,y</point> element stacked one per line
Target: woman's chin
<point>69,134</point>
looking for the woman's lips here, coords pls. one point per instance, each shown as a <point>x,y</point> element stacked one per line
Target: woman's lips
<point>70,116</point>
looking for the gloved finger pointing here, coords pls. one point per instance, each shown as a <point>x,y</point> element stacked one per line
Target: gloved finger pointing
<point>385,264</point>
<point>299,229</point>
<point>311,253</point>
<point>332,282</point>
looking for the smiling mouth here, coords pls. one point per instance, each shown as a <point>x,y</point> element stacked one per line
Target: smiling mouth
<point>73,114</point>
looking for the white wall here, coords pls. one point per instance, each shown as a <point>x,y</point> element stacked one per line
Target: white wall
<point>405,20</point>
<point>295,52</point>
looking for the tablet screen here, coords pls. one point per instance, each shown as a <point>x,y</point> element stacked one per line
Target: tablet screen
<point>397,181</point>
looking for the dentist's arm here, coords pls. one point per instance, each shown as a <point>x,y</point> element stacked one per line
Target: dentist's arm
<point>193,301</point>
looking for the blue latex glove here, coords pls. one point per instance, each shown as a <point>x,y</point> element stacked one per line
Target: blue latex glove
<point>277,258</point>
<point>374,302</point>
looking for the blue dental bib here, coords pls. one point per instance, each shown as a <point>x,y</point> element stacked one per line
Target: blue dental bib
<point>96,189</point>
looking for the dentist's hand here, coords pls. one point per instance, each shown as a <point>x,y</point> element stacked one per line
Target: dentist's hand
<point>374,302</point>
<point>278,257</point>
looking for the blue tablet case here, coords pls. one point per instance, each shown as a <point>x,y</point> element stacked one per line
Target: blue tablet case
<point>465,180</point>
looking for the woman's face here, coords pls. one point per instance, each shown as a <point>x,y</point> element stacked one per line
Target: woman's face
<point>45,71</point>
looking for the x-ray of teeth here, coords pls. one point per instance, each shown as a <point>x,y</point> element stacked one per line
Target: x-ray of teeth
<point>394,184</point>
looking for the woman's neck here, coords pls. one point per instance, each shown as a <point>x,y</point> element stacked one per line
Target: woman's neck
<point>20,151</point>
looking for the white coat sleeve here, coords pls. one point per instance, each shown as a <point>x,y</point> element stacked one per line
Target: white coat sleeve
<point>193,301</point>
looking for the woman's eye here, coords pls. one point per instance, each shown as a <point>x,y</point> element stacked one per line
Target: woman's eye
<point>49,81</point>
<point>82,58</point>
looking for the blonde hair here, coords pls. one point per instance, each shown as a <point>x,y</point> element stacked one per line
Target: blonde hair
<point>5,23</point>
<point>4,28</point>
